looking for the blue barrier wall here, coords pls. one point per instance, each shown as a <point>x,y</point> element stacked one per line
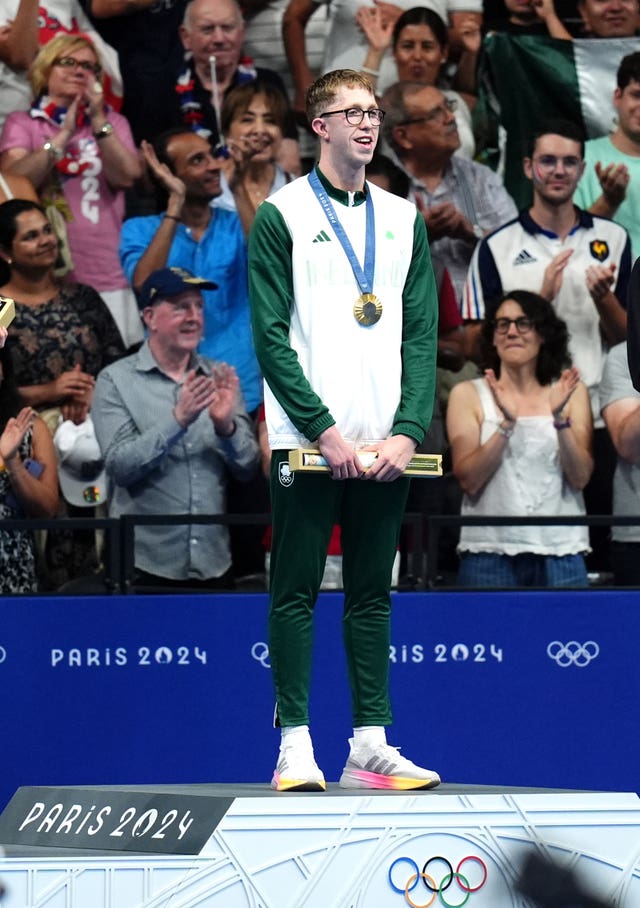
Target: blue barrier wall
<point>536,689</point>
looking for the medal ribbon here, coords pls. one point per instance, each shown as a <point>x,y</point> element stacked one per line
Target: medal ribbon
<point>363,277</point>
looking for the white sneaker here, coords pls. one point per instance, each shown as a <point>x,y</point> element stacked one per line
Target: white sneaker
<point>297,770</point>
<point>381,766</point>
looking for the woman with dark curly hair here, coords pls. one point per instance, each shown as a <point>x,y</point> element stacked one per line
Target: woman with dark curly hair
<point>521,446</point>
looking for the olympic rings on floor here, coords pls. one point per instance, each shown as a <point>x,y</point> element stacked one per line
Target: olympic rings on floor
<point>474,857</point>
<point>442,887</point>
<point>437,889</point>
<point>407,890</point>
<point>460,878</point>
<point>416,873</point>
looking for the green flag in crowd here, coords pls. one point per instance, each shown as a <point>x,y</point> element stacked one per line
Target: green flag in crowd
<point>526,80</point>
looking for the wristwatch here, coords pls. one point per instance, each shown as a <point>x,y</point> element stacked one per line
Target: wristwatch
<point>478,232</point>
<point>105,130</point>
<point>57,154</point>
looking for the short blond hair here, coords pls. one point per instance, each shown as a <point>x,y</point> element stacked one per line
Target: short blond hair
<point>60,46</point>
<point>322,93</point>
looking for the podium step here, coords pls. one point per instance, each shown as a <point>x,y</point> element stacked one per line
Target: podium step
<point>245,846</point>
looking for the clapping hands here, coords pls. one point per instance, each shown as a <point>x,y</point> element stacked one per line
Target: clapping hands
<point>600,279</point>
<point>225,398</point>
<point>173,184</point>
<point>614,179</point>
<point>562,390</point>
<point>14,432</point>
<point>376,26</point>
<point>217,393</point>
<point>498,395</point>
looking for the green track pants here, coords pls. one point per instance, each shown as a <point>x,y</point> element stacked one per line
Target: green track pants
<point>305,506</point>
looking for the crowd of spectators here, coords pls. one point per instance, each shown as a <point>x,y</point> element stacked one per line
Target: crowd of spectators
<point>137,140</point>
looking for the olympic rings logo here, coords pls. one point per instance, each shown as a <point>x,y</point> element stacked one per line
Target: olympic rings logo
<point>573,653</point>
<point>437,890</point>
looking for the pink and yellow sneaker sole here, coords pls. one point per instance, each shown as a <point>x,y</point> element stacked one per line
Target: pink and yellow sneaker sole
<point>360,778</point>
<point>281,783</point>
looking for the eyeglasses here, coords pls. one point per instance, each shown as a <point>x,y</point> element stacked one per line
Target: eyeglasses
<point>355,115</point>
<point>85,65</point>
<point>550,162</point>
<point>522,323</point>
<point>438,113</point>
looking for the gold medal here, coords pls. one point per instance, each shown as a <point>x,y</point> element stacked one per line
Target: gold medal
<point>367,309</point>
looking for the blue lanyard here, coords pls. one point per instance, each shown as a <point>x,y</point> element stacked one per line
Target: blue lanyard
<point>363,277</point>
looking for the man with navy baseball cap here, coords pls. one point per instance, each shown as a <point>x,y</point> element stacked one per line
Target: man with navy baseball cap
<point>170,423</point>
<point>166,282</point>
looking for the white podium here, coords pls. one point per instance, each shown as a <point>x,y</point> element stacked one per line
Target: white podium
<point>214,846</point>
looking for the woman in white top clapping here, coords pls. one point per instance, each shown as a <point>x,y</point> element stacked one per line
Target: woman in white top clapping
<point>521,446</point>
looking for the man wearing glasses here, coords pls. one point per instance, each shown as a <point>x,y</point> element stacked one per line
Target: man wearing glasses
<point>579,262</point>
<point>460,200</point>
<point>344,311</point>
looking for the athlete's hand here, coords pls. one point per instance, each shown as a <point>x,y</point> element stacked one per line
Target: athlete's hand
<point>342,459</point>
<point>394,454</point>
